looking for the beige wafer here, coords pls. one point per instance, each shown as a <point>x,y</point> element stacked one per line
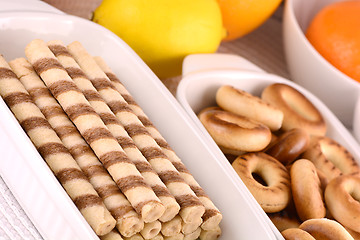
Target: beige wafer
<point>194,235</point>
<point>178,236</point>
<point>212,215</point>
<point>171,227</point>
<point>54,152</point>
<point>151,230</point>
<point>187,228</point>
<point>134,237</point>
<point>191,207</point>
<point>158,237</point>
<point>116,128</point>
<point>113,235</point>
<point>128,221</point>
<point>94,131</point>
<point>211,234</point>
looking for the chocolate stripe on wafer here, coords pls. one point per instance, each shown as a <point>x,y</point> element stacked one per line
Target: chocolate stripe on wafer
<point>16,98</point>
<point>128,221</point>
<point>126,142</point>
<point>211,222</point>
<point>6,73</point>
<point>37,51</point>
<point>58,158</point>
<point>136,130</point>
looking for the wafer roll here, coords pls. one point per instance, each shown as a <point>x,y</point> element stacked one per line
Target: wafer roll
<point>54,152</point>
<point>187,228</point>
<point>178,236</point>
<point>171,227</point>
<point>191,207</point>
<point>212,216</point>
<point>158,237</point>
<point>113,235</point>
<point>116,128</point>
<point>211,234</point>
<point>134,237</point>
<point>194,235</point>
<point>151,230</point>
<point>94,131</point>
<point>128,221</point>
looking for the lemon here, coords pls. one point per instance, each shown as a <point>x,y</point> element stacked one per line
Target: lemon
<point>163,32</point>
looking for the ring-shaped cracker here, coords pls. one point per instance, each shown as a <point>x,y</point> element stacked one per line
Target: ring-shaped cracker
<point>325,229</point>
<point>342,197</point>
<point>245,104</point>
<point>275,194</point>
<point>330,157</point>
<point>298,111</point>
<point>235,132</point>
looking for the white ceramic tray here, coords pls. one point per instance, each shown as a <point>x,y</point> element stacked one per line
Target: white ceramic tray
<point>33,184</point>
<point>203,74</point>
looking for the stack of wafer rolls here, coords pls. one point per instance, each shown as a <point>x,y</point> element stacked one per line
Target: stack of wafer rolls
<point>94,131</point>
<point>128,221</point>
<point>212,216</point>
<point>191,207</point>
<point>54,152</point>
<point>116,128</point>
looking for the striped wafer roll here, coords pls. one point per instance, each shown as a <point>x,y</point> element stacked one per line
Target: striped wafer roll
<point>178,236</point>
<point>191,207</point>
<point>116,128</point>
<point>94,131</point>
<point>128,221</point>
<point>212,216</point>
<point>113,235</point>
<point>194,235</point>
<point>54,152</point>
<point>134,237</point>
<point>158,237</point>
<point>187,228</point>
<point>171,227</point>
<point>211,234</point>
<point>151,230</point>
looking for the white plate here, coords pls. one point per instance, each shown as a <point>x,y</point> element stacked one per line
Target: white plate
<point>27,5</point>
<point>36,188</point>
<point>197,90</point>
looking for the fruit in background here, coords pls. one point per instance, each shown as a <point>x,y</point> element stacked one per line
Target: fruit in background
<point>335,34</point>
<point>241,17</point>
<point>163,32</point>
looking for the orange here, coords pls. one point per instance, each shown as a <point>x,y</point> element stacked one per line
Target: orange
<point>241,17</point>
<point>335,34</point>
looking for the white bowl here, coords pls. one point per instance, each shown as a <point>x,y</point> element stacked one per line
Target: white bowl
<point>309,69</point>
<point>198,87</point>
<point>33,184</point>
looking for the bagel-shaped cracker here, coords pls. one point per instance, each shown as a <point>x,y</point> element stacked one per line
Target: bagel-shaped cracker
<point>296,234</point>
<point>243,103</point>
<point>306,190</point>
<point>274,195</point>
<point>298,111</point>
<point>289,145</point>
<point>325,229</point>
<point>284,219</point>
<point>342,197</point>
<point>234,132</point>
<point>330,157</point>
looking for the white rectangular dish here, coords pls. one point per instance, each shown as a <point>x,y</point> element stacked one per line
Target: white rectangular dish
<point>33,184</point>
<point>198,87</point>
